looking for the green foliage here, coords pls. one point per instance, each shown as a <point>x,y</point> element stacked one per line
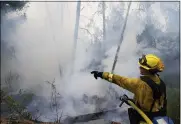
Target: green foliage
<point>14,5</point>
<point>14,106</point>
<point>173,104</point>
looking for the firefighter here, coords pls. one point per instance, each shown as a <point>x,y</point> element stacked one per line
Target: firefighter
<point>149,90</point>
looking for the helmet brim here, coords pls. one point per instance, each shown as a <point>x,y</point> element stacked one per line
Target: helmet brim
<point>145,67</point>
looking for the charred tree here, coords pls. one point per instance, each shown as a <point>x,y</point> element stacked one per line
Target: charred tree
<point>76,29</point>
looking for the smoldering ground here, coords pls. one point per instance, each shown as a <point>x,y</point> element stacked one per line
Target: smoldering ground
<point>43,40</point>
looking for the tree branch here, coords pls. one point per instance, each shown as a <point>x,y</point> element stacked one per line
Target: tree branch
<point>87,31</point>
<point>82,8</point>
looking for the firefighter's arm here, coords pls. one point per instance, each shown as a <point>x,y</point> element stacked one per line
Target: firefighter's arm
<point>130,84</point>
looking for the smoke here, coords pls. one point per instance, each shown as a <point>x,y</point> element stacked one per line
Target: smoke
<point>42,42</point>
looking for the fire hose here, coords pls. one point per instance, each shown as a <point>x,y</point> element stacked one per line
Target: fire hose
<point>128,101</point>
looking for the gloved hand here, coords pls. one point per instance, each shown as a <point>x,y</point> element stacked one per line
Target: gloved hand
<point>97,74</point>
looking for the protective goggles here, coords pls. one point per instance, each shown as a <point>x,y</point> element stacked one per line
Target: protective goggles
<point>143,61</point>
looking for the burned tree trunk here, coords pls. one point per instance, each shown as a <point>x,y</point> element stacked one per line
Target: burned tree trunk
<point>76,33</point>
